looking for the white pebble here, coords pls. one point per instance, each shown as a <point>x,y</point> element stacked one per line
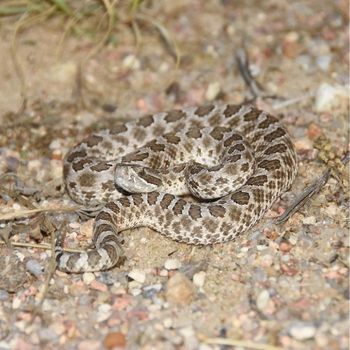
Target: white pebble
<point>131,62</point>
<point>104,312</point>
<point>137,275</point>
<point>163,273</point>
<point>212,91</point>
<point>302,330</point>
<point>262,299</point>
<point>172,264</point>
<point>55,144</point>
<point>167,323</point>
<point>88,277</point>
<point>329,97</point>
<point>16,302</point>
<point>199,279</point>
<point>310,220</point>
<point>135,291</point>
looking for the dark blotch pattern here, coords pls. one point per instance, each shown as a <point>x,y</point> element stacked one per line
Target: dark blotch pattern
<point>195,211</point>
<point>179,206</point>
<point>279,132</point>
<point>257,180</point>
<point>217,211</point>
<point>152,198</point>
<point>145,121</point>
<point>203,111</point>
<point>270,164</point>
<point>174,116</point>
<point>93,140</point>
<point>231,110</point>
<point>166,200</point>
<point>240,197</point>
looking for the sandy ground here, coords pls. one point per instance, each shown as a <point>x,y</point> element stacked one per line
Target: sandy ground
<point>275,287</point>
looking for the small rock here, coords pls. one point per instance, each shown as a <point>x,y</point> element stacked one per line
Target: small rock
<point>310,220</point>
<point>137,275</point>
<point>285,247</point>
<point>135,291</point>
<point>34,267</point>
<point>302,330</point>
<point>152,290</point>
<point>213,91</point>
<point>329,97</point>
<point>98,286</point>
<point>131,62</point>
<point>172,264</point>
<point>104,312</point>
<point>262,299</point>
<point>163,273</point>
<point>167,323</point>
<point>4,295</point>
<point>303,145</point>
<point>114,339</point>
<point>180,290</point>
<point>314,131</point>
<point>88,277</point>
<point>290,46</point>
<point>324,62</point>
<point>199,279</point>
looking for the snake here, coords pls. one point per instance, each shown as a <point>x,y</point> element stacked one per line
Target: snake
<point>199,175</point>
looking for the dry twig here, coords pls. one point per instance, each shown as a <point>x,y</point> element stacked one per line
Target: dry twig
<point>310,191</point>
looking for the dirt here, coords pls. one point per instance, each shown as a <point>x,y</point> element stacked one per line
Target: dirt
<point>275,287</point>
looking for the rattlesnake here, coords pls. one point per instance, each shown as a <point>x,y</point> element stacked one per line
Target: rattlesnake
<point>233,160</point>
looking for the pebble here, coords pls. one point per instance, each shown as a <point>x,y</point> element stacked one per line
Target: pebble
<point>34,267</point>
<point>212,91</point>
<point>310,220</point>
<point>302,330</point>
<point>303,145</point>
<point>104,312</point>
<point>152,290</point>
<point>137,275</point>
<point>163,273</point>
<point>180,290</point>
<point>329,97</point>
<point>88,277</point>
<point>4,295</point>
<point>324,62</point>
<point>98,286</point>
<point>131,62</point>
<point>263,299</point>
<point>135,291</point>
<point>114,339</point>
<point>168,322</point>
<point>172,264</point>
<point>199,279</point>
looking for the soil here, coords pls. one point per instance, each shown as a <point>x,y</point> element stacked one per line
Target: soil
<point>275,287</point>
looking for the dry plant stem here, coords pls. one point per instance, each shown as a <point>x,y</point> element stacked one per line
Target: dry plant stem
<point>170,43</point>
<point>293,101</point>
<point>28,212</point>
<point>310,191</point>
<point>39,246</point>
<point>242,60</point>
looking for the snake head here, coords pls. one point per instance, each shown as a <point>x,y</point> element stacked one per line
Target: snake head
<point>137,178</point>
